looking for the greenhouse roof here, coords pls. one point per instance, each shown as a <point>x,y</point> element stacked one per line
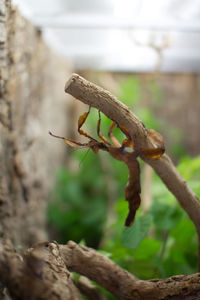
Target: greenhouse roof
<point>121,35</point>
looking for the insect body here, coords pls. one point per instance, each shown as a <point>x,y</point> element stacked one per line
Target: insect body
<point>119,152</point>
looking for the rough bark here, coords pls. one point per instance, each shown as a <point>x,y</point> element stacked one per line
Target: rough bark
<point>31,98</point>
<point>121,283</point>
<point>40,274</point>
<point>43,274</point>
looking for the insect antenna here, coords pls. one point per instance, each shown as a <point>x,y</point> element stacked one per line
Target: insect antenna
<point>83,158</point>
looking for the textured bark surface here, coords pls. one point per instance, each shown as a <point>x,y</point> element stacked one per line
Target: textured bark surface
<point>31,103</point>
<point>42,273</point>
<point>121,283</point>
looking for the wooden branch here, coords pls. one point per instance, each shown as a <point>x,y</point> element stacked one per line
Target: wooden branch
<point>115,110</point>
<point>97,267</point>
<point>42,273</point>
<point>103,100</point>
<point>88,289</point>
<point>121,283</point>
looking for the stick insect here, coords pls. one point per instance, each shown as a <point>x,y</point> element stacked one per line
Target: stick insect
<point>119,152</point>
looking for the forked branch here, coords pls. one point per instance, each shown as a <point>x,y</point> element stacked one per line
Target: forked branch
<point>104,101</point>
<point>43,274</point>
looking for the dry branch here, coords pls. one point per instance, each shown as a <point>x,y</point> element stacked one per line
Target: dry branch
<point>88,289</point>
<point>103,100</point>
<point>121,283</point>
<point>43,274</point>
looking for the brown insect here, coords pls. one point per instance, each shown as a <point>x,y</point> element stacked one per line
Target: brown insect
<point>119,152</point>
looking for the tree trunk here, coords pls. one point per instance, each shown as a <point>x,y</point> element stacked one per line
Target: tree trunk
<point>32,98</point>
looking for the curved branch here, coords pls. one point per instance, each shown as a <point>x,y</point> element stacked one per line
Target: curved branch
<point>121,283</point>
<point>103,100</point>
<point>97,267</point>
<point>43,274</point>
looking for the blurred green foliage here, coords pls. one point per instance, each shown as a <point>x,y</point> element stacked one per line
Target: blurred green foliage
<point>145,99</point>
<point>167,238</point>
<point>78,205</point>
<point>163,241</point>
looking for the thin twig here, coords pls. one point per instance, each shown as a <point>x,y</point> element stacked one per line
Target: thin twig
<point>88,289</point>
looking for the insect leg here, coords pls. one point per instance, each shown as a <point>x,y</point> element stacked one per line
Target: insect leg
<point>81,121</point>
<point>158,140</point>
<point>112,137</point>
<point>133,188</point>
<point>133,206</point>
<point>128,142</point>
<point>71,142</point>
<point>103,138</point>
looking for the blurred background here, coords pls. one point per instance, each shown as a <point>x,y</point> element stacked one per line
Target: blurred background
<point>147,53</point>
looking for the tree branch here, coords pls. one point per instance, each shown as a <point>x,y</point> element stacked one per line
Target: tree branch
<point>97,267</point>
<point>121,283</point>
<point>103,100</point>
<point>43,274</point>
<point>88,289</point>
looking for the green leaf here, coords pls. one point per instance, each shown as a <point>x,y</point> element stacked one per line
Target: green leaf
<point>105,253</point>
<point>82,242</point>
<point>147,249</point>
<point>132,236</point>
<point>184,233</point>
<point>177,255</point>
<point>189,167</point>
<point>165,216</point>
